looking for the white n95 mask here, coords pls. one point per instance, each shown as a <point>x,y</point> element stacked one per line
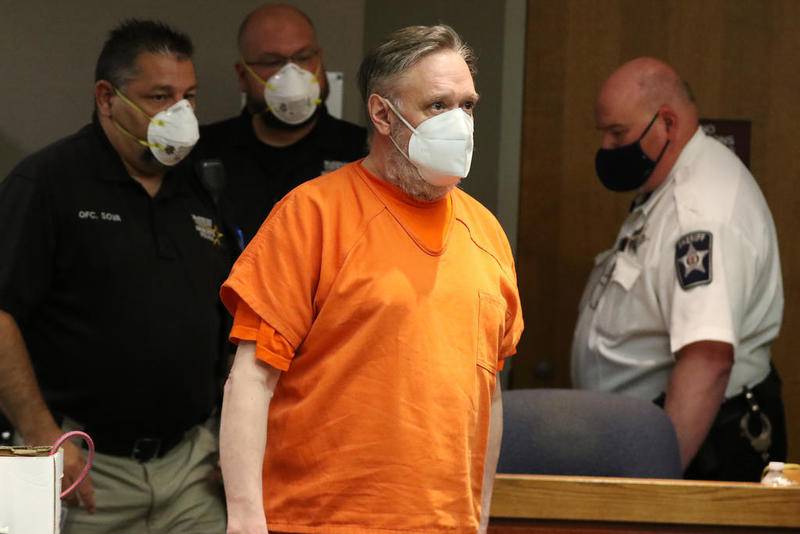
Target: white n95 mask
<point>440,146</point>
<point>291,94</point>
<point>171,134</point>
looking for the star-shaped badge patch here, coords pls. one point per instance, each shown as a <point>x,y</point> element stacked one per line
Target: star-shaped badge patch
<point>693,259</point>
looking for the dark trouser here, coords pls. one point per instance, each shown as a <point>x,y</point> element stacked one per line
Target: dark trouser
<point>727,453</point>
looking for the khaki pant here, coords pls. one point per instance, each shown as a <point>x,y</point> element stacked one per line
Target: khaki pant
<point>174,494</point>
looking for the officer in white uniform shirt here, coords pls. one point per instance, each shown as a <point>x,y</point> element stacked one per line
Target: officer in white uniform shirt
<point>683,308</point>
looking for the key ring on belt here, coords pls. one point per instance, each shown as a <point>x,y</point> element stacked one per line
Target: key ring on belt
<point>761,442</point>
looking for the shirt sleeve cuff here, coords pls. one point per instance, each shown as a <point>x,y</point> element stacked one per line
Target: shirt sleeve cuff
<point>724,335</point>
<point>242,333</point>
<point>271,347</point>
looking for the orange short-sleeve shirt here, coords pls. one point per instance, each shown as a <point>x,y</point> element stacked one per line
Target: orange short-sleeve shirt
<point>394,334</point>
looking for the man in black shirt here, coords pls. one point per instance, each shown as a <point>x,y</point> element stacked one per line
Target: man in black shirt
<point>110,263</point>
<point>285,135</point>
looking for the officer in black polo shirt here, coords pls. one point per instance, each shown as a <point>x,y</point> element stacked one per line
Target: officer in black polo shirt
<point>110,262</point>
<point>284,136</point>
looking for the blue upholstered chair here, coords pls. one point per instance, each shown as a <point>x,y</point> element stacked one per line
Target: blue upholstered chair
<point>573,432</point>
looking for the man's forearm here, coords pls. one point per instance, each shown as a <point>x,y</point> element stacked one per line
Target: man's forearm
<point>492,454</point>
<point>695,391</point>
<point>243,432</point>
<point>20,397</point>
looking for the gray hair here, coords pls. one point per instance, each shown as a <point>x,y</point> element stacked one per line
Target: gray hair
<point>403,49</point>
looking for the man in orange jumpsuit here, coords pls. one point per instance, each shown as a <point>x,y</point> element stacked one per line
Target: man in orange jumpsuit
<point>373,310</point>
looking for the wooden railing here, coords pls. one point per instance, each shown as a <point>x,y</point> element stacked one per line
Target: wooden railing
<point>539,503</point>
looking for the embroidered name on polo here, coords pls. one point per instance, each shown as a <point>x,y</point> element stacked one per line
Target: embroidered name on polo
<point>99,215</point>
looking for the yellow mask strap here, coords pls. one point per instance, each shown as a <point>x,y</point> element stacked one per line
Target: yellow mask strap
<point>144,143</point>
<point>135,106</point>
<point>318,101</point>
<point>252,72</point>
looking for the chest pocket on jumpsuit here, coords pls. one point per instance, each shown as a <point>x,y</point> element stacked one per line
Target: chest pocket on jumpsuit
<point>491,330</point>
<point>615,314</point>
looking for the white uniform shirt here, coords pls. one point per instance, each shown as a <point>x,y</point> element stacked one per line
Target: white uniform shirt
<point>698,260</point>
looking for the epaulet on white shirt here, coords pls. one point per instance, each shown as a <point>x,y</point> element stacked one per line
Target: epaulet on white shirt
<point>709,180</point>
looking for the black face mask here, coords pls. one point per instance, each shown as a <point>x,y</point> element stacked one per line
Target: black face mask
<point>626,168</point>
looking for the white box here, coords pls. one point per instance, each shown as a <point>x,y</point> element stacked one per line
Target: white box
<point>30,489</point>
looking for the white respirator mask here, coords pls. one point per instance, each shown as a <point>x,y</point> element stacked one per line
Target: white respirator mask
<point>291,94</point>
<point>171,134</point>
<point>440,146</point>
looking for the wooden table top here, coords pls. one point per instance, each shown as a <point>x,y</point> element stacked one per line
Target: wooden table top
<point>639,500</point>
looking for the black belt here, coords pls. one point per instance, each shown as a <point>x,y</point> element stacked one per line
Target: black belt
<point>142,449</point>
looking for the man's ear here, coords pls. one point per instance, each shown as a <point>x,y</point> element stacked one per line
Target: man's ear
<point>379,111</point>
<point>670,119</point>
<point>103,93</point>
<point>241,75</point>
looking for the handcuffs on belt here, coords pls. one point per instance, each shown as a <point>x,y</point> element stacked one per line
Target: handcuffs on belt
<point>762,441</point>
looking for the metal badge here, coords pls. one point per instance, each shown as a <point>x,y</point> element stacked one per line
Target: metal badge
<point>637,238</point>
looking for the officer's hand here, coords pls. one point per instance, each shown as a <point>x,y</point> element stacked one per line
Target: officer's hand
<point>73,465</point>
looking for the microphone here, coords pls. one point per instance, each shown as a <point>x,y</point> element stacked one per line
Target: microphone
<point>212,177</point>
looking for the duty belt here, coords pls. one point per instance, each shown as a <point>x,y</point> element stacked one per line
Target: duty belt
<point>754,425</point>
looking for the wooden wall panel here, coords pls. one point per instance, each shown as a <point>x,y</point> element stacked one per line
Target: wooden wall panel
<point>540,195</point>
<point>741,59</point>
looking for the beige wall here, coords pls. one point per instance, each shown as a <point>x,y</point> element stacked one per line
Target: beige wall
<point>50,48</point>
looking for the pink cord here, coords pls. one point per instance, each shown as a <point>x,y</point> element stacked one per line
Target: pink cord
<point>89,459</point>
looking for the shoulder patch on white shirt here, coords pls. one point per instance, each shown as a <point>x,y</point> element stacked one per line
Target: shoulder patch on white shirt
<point>693,259</point>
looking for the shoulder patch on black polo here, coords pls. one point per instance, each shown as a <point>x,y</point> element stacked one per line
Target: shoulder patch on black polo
<point>693,259</point>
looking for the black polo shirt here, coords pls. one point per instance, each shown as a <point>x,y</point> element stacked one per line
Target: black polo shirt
<point>258,175</point>
<point>115,292</point>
